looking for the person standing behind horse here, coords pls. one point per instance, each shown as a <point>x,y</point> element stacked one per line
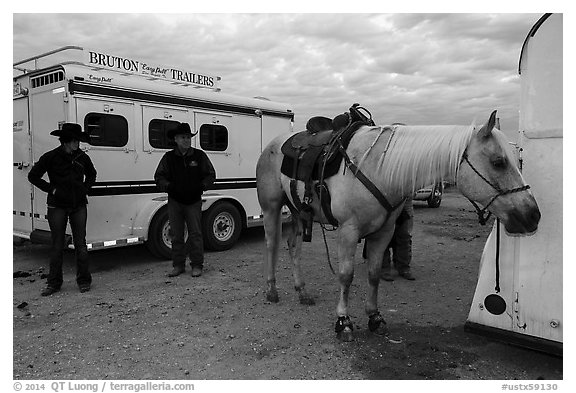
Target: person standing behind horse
<point>185,173</point>
<point>71,174</point>
<point>401,246</point>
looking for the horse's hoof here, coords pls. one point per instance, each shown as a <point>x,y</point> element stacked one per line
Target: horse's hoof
<point>344,329</point>
<point>272,296</point>
<point>345,335</point>
<point>377,325</point>
<point>381,330</point>
<point>307,300</point>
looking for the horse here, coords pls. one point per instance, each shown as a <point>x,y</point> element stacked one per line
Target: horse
<point>398,159</point>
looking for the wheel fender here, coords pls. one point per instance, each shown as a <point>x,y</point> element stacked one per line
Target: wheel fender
<point>145,215</point>
<point>208,200</point>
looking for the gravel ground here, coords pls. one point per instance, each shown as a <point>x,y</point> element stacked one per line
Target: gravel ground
<point>136,323</point>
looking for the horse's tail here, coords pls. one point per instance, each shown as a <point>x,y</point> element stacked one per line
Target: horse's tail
<point>268,185</point>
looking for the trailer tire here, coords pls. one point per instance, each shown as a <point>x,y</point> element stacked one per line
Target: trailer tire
<point>221,226</point>
<point>436,197</point>
<point>159,242</point>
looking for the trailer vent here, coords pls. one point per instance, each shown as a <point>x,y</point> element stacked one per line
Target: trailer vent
<point>47,79</point>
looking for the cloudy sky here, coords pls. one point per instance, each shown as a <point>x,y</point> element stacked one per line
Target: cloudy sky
<point>412,67</point>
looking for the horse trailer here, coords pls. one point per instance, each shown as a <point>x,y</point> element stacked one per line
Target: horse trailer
<point>518,297</point>
<point>127,106</point>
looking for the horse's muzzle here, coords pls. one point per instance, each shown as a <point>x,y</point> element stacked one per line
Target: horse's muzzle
<point>523,221</point>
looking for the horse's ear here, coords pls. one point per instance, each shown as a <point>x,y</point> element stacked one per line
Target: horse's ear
<point>486,130</point>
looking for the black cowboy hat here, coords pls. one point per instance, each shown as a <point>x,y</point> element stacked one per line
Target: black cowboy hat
<point>72,131</point>
<point>181,129</point>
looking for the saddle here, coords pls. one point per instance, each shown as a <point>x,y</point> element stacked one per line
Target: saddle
<point>314,155</point>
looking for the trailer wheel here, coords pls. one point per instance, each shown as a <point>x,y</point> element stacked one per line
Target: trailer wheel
<point>221,226</point>
<point>436,197</point>
<point>159,239</point>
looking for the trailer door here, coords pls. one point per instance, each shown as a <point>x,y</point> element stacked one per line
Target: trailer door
<point>232,143</point>
<point>213,137</point>
<point>47,113</point>
<point>112,147</point>
<point>156,122</point>
<point>110,124</point>
<point>22,161</point>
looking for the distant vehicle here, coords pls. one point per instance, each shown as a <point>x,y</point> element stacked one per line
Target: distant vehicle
<point>431,194</point>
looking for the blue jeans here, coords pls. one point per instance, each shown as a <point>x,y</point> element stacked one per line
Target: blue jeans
<point>57,219</point>
<point>181,215</point>
<point>401,243</point>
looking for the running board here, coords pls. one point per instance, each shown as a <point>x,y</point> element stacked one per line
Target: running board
<point>520,340</point>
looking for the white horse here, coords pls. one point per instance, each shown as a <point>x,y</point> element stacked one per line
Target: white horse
<point>398,160</point>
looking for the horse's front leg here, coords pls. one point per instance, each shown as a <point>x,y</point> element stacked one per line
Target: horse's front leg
<point>376,244</point>
<point>347,242</point>
<point>295,251</point>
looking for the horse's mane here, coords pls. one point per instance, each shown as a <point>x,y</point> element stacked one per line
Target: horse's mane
<point>421,155</point>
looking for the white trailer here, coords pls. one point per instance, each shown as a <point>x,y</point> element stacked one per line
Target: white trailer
<point>528,308</point>
<point>127,105</point>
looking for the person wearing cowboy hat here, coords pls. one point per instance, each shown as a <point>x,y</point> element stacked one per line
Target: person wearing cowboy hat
<point>185,173</point>
<point>71,174</point>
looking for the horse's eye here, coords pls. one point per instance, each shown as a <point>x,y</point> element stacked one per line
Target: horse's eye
<point>499,163</point>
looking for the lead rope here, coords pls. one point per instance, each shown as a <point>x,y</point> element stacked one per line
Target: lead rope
<point>326,247</point>
<point>497,288</point>
<point>325,159</point>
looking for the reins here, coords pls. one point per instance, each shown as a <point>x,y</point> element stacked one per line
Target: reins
<point>337,142</point>
<point>326,247</point>
<point>365,181</point>
<point>482,218</point>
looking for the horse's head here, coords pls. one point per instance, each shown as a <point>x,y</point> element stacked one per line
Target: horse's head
<point>489,175</point>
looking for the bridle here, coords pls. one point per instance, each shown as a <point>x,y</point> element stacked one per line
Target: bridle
<point>482,218</point>
<point>494,303</point>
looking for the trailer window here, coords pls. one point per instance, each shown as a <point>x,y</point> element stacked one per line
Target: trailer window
<point>106,130</point>
<point>213,137</point>
<point>157,133</point>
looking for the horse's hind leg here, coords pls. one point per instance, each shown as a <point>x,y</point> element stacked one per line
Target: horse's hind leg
<point>295,251</point>
<point>271,199</point>
<point>273,234</point>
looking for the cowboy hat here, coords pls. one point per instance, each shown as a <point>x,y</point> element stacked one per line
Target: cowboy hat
<point>181,129</point>
<point>71,131</point>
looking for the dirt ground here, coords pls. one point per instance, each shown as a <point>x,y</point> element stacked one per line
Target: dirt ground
<point>136,323</point>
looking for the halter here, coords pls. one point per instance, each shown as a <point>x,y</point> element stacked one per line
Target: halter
<point>482,219</point>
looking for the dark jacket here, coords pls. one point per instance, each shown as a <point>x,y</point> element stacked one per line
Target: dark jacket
<point>186,176</point>
<point>70,177</point>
